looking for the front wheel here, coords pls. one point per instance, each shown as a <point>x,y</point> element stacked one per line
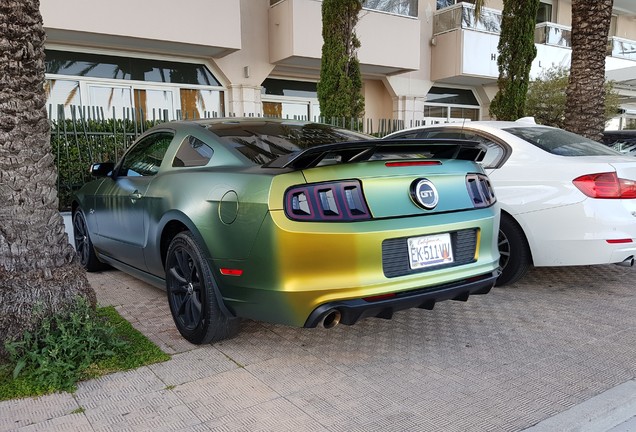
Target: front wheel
<point>514,253</point>
<point>192,294</point>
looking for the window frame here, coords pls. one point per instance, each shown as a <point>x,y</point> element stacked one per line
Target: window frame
<point>153,137</point>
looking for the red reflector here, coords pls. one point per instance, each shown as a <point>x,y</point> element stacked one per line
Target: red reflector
<point>412,163</point>
<point>379,297</point>
<point>616,241</point>
<point>231,272</point>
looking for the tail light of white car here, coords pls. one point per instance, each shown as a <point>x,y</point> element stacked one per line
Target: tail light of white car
<point>606,186</point>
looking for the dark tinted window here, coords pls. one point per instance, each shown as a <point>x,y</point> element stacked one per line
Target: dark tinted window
<point>289,88</point>
<point>494,151</point>
<point>615,137</point>
<point>192,153</point>
<point>125,68</point>
<point>560,142</point>
<point>262,141</point>
<point>144,158</point>
<point>453,96</point>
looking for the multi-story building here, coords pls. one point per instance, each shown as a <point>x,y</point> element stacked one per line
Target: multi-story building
<point>421,60</point>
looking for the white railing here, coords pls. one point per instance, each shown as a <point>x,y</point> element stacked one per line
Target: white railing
<point>548,33</point>
<point>622,48</point>
<point>462,16</point>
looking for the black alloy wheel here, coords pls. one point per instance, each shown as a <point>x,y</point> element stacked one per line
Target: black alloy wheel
<point>84,245</point>
<point>192,294</point>
<point>514,252</point>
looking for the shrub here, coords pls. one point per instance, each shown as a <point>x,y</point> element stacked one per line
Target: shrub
<point>56,355</point>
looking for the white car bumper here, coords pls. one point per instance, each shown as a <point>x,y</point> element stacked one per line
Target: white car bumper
<point>594,231</point>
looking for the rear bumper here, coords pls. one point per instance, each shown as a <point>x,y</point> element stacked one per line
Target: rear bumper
<point>296,268</point>
<point>353,310</point>
<point>578,234</point>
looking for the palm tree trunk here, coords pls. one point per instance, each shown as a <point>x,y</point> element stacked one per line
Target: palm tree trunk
<point>39,272</point>
<point>585,103</point>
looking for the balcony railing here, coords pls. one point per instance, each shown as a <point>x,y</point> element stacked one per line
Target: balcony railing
<point>621,48</point>
<point>397,7</point>
<point>553,34</point>
<point>462,16</point>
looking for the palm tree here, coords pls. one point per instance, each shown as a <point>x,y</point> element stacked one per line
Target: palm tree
<point>39,271</point>
<point>585,103</point>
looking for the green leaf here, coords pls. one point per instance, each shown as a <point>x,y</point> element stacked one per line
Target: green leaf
<point>18,367</point>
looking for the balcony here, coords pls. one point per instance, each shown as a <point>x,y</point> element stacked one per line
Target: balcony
<point>295,38</point>
<point>553,35</point>
<point>621,48</point>
<point>465,52</point>
<point>200,29</point>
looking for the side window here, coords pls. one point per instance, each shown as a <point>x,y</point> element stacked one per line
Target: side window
<point>436,133</point>
<point>494,152</point>
<point>192,153</point>
<point>407,135</point>
<point>144,158</point>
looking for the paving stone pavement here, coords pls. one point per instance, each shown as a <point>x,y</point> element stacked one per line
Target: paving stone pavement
<point>505,361</point>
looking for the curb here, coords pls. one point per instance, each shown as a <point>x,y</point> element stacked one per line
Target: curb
<point>600,413</point>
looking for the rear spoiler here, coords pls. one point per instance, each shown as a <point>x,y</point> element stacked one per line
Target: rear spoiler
<point>360,151</point>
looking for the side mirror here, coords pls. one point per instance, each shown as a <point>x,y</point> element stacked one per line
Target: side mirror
<point>102,169</point>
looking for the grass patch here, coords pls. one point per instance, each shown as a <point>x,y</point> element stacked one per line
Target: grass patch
<point>81,345</point>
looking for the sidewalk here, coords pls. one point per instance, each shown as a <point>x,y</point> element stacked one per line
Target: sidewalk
<point>555,352</point>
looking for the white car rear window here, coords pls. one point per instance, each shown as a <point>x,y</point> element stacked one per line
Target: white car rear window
<point>560,142</point>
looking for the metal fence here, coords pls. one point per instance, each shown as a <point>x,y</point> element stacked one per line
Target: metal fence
<point>83,135</point>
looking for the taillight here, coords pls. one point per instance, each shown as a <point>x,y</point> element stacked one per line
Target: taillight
<point>335,201</point>
<point>605,185</point>
<point>480,190</point>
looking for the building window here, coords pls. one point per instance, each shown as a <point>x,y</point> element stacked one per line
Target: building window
<point>544,14</point>
<point>445,105</point>
<point>290,99</point>
<point>613,23</point>
<point>127,68</point>
<point>108,86</point>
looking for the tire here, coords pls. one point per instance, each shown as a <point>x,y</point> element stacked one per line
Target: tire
<point>193,294</point>
<point>84,245</point>
<point>515,258</point>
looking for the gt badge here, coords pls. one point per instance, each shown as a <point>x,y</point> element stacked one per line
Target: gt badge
<point>424,194</point>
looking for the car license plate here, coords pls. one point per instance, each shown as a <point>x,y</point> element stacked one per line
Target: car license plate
<point>430,250</point>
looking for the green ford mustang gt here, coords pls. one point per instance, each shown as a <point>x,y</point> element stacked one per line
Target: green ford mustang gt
<point>290,222</point>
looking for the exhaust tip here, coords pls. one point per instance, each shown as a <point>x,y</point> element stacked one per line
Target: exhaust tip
<point>627,262</point>
<point>331,319</point>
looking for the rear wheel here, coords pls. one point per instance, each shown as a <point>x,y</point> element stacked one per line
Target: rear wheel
<point>84,245</point>
<point>514,253</point>
<point>192,294</point>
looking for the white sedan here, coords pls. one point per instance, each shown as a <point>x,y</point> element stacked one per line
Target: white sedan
<point>565,200</point>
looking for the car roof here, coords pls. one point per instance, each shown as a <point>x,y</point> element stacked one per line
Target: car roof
<point>481,124</point>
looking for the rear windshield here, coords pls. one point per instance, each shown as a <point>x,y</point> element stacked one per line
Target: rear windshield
<point>560,142</point>
<point>262,141</point>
